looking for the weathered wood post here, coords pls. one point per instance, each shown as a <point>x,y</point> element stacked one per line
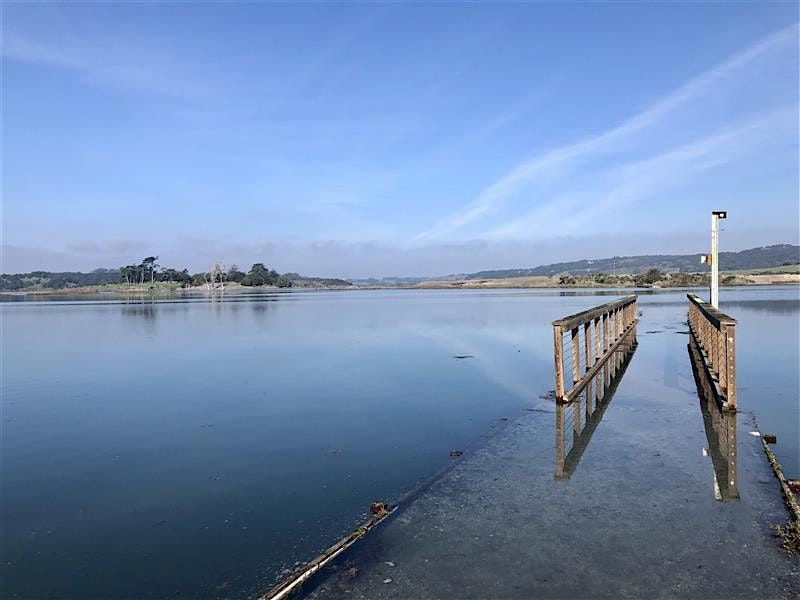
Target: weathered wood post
<point>576,357</point>
<point>587,345</point>
<point>597,351</point>
<point>558,354</point>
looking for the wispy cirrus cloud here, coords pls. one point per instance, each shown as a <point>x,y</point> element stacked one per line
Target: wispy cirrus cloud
<point>625,184</point>
<point>128,64</point>
<point>562,161</point>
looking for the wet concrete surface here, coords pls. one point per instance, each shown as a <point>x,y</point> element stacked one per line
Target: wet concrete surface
<point>639,515</point>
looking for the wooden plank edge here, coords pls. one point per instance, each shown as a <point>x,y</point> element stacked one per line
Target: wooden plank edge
<point>293,581</point>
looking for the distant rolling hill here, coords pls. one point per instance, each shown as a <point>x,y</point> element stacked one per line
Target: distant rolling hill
<point>754,258</point>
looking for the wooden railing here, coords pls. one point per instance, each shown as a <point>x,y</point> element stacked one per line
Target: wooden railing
<point>584,414</point>
<point>715,334</point>
<point>603,328</point>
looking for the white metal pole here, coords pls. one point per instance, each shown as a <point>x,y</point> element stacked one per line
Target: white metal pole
<point>715,260</point>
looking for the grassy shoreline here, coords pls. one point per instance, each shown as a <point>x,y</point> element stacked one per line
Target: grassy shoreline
<point>731,278</point>
<point>749,278</point>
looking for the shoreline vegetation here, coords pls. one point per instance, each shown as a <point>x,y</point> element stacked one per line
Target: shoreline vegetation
<point>149,277</point>
<point>787,275</point>
<point>767,265</point>
<point>651,279</point>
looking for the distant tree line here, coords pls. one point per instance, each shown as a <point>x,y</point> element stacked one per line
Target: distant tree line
<point>57,281</point>
<point>649,278</point>
<point>147,272</point>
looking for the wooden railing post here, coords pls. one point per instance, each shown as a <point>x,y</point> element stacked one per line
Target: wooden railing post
<point>587,345</point>
<point>576,357</point>
<point>558,354</point>
<point>597,351</point>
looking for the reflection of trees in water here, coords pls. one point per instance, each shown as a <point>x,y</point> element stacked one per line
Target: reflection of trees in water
<point>143,312</point>
<point>261,307</point>
<point>234,307</point>
<point>226,305</point>
<point>600,292</point>
<point>216,301</point>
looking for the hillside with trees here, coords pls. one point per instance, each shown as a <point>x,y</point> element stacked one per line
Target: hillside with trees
<point>754,258</point>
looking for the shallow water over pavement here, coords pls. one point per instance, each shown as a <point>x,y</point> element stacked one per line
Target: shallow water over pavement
<point>201,447</point>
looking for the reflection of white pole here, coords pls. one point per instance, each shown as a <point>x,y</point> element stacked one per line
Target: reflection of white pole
<point>714,260</point>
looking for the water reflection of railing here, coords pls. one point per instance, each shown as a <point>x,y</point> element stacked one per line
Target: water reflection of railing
<point>587,408</point>
<point>602,329</point>
<point>720,426</point>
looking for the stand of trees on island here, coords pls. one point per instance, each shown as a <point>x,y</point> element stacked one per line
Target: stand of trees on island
<point>148,273</point>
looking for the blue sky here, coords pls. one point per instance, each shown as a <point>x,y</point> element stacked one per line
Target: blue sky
<point>393,138</point>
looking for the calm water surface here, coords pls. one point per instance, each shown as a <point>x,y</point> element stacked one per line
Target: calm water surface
<point>198,448</point>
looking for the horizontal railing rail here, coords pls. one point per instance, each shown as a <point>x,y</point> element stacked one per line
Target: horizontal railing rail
<point>603,328</point>
<point>715,334</point>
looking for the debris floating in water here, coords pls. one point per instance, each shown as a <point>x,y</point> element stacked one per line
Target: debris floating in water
<point>380,509</point>
<point>463,356</point>
<point>456,452</point>
<point>387,580</point>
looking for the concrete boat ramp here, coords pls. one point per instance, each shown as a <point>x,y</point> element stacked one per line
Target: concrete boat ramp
<point>656,493</point>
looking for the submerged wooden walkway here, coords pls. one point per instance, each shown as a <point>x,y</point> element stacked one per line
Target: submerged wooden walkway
<point>657,491</point>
